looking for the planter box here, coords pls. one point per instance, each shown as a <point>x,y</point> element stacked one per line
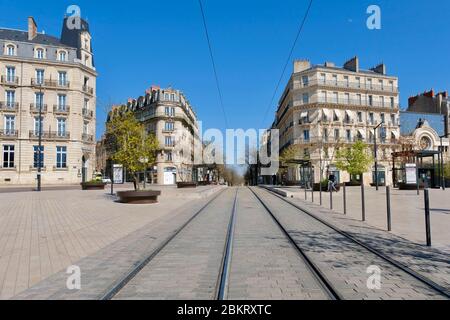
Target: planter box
<point>183,185</point>
<point>138,197</point>
<point>447,183</point>
<point>93,186</point>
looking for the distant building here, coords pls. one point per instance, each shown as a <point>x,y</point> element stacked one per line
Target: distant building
<point>58,77</point>
<point>325,107</point>
<point>168,114</point>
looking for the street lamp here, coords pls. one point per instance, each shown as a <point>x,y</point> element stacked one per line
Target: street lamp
<point>376,155</point>
<point>39,164</point>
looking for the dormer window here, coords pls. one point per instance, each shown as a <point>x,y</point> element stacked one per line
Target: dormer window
<point>10,50</point>
<point>40,53</point>
<point>62,56</point>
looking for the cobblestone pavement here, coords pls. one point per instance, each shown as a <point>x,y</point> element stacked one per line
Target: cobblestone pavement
<point>44,233</point>
<point>343,262</point>
<point>433,263</point>
<point>264,263</point>
<point>189,266</point>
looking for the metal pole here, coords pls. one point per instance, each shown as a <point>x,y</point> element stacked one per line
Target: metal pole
<point>388,205</point>
<point>112,178</point>
<point>344,192</point>
<point>376,158</point>
<point>427,217</point>
<point>312,186</point>
<point>417,177</point>
<point>331,198</point>
<point>363,201</point>
<point>39,168</point>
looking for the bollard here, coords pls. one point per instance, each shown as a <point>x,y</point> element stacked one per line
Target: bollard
<point>306,192</point>
<point>427,217</point>
<point>363,202</point>
<point>344,191</point>
<point>388,206</point>
<point>331,198</point>
<point>320,192</point>
<point>312,188</point>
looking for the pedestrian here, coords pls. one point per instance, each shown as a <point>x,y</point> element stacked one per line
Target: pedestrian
<point>332,183</point>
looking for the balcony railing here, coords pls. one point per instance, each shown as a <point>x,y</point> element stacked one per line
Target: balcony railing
<point>52,135</point>
<point>50,83</point>
<point>87,137</point>
<point>88,113</point>
<point>34,108</point>
<point>348,85</point>
<point>9,106</point>
<point>58,109</point>
<point>88,90</point>
<point>8,133</point>
<point>343,140</point>
<point>10,80</point>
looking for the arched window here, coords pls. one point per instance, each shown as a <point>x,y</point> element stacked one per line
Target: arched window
<point>40,53</point>
<point>62,56</point>
<point>10,50</point>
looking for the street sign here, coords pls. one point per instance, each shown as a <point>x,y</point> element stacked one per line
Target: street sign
<point>118,174</point>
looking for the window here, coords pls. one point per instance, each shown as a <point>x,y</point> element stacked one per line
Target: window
<point>38,160</point>
<point>8,156</point>
<point>336,134</point>
<point>61,125</point>
<point>382,101</point>
<point>393,119</point>
<point>347,98</point>
<point>40,76</point>
<point>10,74</point>
<point>305,81</point>
<point>39,99</point>
<point>86,128</point>
<point>170,111</point>
<point>10,99</point>
<point>358,82</point>
<point>306,136</point>
<point>11,50</point>
<point>335,117</point>
<point>346,81</point>
<point>62,78</point>
<point>359,99</point>
<point>383,118</point>
<point>323,96</point>
<point>381,84</point>
<point>360,116</point>
<point>349,135</point>
<point>169,156</point>
<point>369,84</point>
<point>62,98</point>
<point>10,125</point>
<point>38,125</point>
<point>323,78</point>
<point>371,118</point>
<point>169,141</point>
<point>392,103</point>
<point>305,98</point>
<point>61,157</point>
<point>62,56</point>
<point>325,134</point>
<point>335,97</point>
<point>166,97</point>
<point>169,126</point>
<point>371,101</point>
<point>335,79</point>
<point>40,53</point>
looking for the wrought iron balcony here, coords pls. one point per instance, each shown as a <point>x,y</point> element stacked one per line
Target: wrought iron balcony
<point>348,85</point>
<point>88,90</point>
<point>8,133</point>
<point>87,137</point>
<point>34,108</point>
<point>89,114</point>
<point>9,106</point>
<point>10,80</point>
<point>50,83</point>
<point>59,109</point>
<point>50,135</point>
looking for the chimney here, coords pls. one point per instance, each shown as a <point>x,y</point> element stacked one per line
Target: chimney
<point>352,65</point>
<point>301,65</point>
<point>329,64</point>
<point>32,28</point>
<point>380,69</point>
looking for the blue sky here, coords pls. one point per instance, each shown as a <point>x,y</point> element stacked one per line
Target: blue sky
<point>140,43</point>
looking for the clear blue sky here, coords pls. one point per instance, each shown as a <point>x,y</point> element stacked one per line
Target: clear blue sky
<point>139,43</point>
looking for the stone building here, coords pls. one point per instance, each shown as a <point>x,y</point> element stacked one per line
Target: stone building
<point>325,107</point>
<point>168,114</point>
<point>57,77</point>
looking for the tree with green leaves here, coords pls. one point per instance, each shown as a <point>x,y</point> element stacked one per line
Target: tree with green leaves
<point>355,159</point>
<point>130,144</point>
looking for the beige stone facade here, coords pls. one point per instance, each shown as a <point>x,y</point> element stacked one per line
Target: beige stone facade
<point>325,107</point>
<point>168,114</point>
<point>57,77</point>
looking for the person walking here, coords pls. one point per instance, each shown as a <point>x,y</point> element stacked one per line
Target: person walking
<point>332,183</point>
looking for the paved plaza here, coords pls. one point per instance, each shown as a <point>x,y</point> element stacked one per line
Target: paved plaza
<point>407,209</point>
<point>44,233</point>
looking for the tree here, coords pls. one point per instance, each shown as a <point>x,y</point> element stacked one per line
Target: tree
<point>130,144</point>
<point>355,159</point>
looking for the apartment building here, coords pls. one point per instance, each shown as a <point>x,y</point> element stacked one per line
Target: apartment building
<point>325,107</point>
<point>168,114</point>
<point>47,89</point>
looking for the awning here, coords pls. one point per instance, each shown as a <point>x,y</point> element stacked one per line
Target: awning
<point>395,134</point>
<point>337,114</point>
<point>304,115</point>
<point>349,114</point>
<point>326,113</point>
<point>362,132</point>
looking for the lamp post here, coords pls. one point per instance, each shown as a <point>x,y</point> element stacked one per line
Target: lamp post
<point>376,155</point>
<point>39,164</point>
<point>441,162</point>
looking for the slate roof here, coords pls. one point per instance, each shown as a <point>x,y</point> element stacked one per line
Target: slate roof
<point>22,36</point>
